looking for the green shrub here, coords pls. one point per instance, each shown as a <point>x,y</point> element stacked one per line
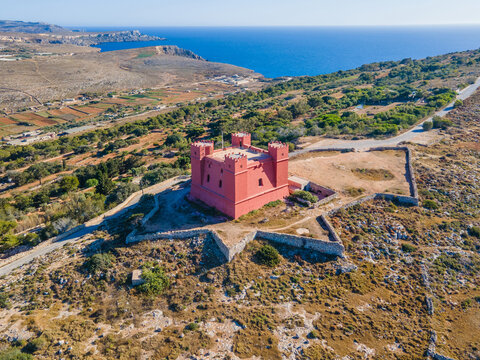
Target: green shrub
<point>91,183</point>
<point>191,327</point>
<point>430,204</point>
<point>458,103</point>
<point>273,203</point>
<point>268,255</point>
<point>474,231</point>
<point>408,248</point>
<point>99,263</point>
<point>14,354</point>
<point>305,195</point>
<point>427,125</point>
<point>4,302</point>
<point>156,281</point>
<point>35,345</point>
<point>441,123</point>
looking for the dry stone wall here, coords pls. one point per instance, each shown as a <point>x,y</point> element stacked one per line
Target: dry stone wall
<point>322,246</point>
<point>302,242</point>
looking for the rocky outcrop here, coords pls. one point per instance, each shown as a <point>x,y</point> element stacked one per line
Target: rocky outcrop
<point>113,36</point>
<point>176,51</point>
<point>76,38</point>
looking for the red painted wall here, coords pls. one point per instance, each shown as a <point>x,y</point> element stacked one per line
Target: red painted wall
<point>240,191</point>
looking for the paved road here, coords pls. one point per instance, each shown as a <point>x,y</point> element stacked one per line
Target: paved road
<point>406,136</point>
<point>92,225</point>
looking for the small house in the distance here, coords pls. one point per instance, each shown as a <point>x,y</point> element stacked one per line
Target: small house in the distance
<point>241,178</point>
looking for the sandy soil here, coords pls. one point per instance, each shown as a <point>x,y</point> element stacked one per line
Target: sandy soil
<point>334,170</point>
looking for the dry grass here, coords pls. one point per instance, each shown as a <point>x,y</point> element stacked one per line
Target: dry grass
<point>376,171</point>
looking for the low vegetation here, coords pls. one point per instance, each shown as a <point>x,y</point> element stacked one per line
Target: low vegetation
<point>268,255</point>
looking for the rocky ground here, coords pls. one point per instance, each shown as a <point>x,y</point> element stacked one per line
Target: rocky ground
<point>410,283</point>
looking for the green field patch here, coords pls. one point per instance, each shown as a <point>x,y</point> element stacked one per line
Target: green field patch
<point>145,55</point>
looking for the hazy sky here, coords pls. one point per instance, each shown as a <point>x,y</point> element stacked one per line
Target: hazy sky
<point>242,12</point>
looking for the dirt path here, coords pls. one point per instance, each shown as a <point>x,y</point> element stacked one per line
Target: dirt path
<point>37,70</point>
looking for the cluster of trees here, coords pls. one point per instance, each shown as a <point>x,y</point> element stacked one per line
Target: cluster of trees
<point>269,114</point>
<point>34,172</point>
<point>160,172</point>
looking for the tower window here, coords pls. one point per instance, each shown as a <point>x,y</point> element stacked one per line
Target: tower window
<point>221,171</point>
<point>210,165</point>
<point>220,184</point>
<point>260,182</point>
<point>208,178</point>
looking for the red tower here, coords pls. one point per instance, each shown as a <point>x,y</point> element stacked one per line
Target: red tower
<point>241,178</point>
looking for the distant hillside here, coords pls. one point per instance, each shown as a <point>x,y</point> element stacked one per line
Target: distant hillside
<point>31,27</point>
<point>43,33</point>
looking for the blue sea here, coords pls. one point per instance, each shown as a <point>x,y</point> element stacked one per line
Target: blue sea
<point>293,51</point>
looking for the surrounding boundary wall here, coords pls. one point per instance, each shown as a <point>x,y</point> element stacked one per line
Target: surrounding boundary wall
<point>325,247</point>
<point>409,167</point>
<point>334,247</point>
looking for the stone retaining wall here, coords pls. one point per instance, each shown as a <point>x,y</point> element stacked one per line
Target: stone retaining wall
<point>302,242</point>
<point>409,167</point>
<point>330,229</point>
<point>322,246</point>
<point>238,247</point>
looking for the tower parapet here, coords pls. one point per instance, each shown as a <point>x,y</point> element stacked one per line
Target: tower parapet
<point>235,162</point>
<point>241,139</point>
<point>200,149</point>
<point>278,150</point>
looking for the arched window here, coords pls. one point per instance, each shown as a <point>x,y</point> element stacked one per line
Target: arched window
<point>221,171</point>
<point>260,182</point>
<point>208,178</point>
<point>220,184</point>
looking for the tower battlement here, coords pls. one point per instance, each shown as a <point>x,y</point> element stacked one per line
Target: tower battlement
<point>200,149</point>
<point>278,150</point>
<point>241,139</point>
<point>240,179</point>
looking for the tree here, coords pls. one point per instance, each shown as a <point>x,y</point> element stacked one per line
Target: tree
<point>121,193</point>
<point>299,108</point>
<point>195,132</point>
<point>105,184</point>
<point>458,103</point>
<point>99,263</point>
<point>427,125</point>
<point>7,226</point>
<point>69,183</point>
<point>173,139</point>
<point>39,173</point>
<point>91,183</point>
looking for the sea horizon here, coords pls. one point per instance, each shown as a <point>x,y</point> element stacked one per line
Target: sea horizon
<point>306,50</point>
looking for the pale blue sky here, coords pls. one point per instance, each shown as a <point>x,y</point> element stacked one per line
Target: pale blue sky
<point>242,12</point>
